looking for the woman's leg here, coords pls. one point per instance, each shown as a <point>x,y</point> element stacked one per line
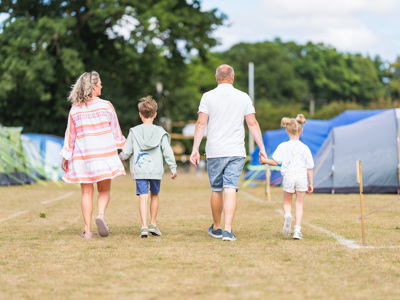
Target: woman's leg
<point>87,206</point>
<point>299,207</point>
<point>103,187</point>
<point>153,208</point>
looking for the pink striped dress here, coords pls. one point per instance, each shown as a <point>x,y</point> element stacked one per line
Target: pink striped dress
<point>91,141</point>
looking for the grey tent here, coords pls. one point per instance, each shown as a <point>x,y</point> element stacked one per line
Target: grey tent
<point>374,142</point>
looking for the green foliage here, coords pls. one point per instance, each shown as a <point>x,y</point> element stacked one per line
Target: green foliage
<point>335,108</point>
<point>137,46</point>
<point>133,44</point>
<point>269,115</point>
<point>394,76</point>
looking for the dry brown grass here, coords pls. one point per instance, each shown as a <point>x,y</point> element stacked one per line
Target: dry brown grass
<point>46,258</point>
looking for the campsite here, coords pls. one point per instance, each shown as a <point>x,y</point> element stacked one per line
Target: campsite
<point>199,149</point>
<point>46,258</point>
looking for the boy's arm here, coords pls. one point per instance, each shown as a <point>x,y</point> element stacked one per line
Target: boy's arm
<point>127,150</point>
<point>310,181</point>
<point>168,154</point>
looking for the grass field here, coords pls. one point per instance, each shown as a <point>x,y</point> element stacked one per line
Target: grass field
<point>46,258</point>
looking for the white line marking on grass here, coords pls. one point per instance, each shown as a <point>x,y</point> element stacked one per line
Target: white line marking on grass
<point>14,215</point>
<point>341,239</point>
<point>58,198</point>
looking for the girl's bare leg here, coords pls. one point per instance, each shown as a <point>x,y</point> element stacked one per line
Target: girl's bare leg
<point>287,202</point>
<point>299,207</point>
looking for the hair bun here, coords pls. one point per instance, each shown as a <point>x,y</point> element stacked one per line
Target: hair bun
<point>285,121</point>
<point>301,119</point>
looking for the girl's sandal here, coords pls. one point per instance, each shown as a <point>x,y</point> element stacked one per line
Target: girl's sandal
<point>87,236</point>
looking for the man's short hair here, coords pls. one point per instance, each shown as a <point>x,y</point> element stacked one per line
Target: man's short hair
<point>224,72</point>
<point>147,107</point>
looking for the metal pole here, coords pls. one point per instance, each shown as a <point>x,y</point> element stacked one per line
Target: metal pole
<point>251,94</point>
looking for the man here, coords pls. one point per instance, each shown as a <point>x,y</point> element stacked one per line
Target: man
<point>223,110</point>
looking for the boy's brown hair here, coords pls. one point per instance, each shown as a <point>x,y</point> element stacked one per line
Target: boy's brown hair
<point>147,107</point>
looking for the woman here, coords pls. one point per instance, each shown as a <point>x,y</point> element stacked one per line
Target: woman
<point>90,152</point>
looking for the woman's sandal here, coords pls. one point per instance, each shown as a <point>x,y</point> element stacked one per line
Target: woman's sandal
<point>102,227</point>
<point>87,236</point>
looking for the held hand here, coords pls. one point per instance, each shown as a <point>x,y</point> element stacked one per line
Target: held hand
<point>262,157</point>
<point>310,189</point>
<point>195,158</point>
<point>64,165</point>
<point>174,175</point>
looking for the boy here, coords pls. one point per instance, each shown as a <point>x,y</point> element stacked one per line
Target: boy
<point>148,149</point>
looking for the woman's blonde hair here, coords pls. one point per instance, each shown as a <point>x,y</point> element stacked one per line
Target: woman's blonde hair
<point>294,126</point>
<point>82,90</point>
<point>147,107</point>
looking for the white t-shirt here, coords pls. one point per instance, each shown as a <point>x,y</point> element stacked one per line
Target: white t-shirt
<point>284,154</point>
<point>226,108</point>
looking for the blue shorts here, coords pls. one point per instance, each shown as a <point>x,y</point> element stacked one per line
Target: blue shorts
<point>142,186</point>
<point>224,172</point>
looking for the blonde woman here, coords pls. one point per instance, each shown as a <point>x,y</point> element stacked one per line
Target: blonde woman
<point>90,152</point>
<point>297,165</point>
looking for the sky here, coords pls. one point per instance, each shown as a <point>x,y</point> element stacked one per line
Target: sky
<point>369,27</point>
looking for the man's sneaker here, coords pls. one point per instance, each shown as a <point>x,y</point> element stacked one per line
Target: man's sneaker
<point>144,233</point>
<point>228,236</point>
<point>287,225</point>
<point>153,229</point>
<point>297,235</point>
<point>215,233</point>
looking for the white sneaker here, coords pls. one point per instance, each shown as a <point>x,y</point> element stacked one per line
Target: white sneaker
<point>297,235</point>
<point>287,225</point>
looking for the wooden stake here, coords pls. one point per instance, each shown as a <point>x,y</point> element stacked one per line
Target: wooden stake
<point>267,184</point>
<point>359,180</point>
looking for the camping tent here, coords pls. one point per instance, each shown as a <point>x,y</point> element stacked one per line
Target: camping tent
<point>314,134</point>
<point>12,160</point>
<point>373,141</point>
<point>42,153</point>
<point>26,158</point>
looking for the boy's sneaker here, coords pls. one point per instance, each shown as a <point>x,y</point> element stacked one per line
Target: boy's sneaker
<point>215,233</point>
<point>287,225</point>
<point>297,235</point>
<point>228,236</point>
<point>144,233</point>
<point>153,229</point>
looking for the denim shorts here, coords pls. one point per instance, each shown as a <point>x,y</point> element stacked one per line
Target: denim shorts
<point>224,172</point>
<point>142,186</point>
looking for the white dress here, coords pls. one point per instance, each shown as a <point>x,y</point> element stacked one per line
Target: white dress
<point>92,138</point>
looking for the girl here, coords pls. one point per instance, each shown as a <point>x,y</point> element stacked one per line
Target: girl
<point>297,165</point>
<point>90,152</point>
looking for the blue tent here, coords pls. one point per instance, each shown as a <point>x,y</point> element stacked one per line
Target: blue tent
<point>314,134</point>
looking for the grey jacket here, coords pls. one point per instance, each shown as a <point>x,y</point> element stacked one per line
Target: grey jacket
<point>148,149</point>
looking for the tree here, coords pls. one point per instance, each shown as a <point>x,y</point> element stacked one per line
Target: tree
<point>134,45</point>
<point>394,76</point>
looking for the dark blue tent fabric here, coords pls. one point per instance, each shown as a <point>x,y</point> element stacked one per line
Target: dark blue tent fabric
<point>314,134</point>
